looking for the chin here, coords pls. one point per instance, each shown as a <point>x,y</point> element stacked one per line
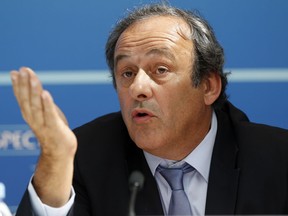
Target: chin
<point>149,145</point>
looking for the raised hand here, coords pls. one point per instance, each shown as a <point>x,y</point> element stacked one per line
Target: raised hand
<point>53,175</point>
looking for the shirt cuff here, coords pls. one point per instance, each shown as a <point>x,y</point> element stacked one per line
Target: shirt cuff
<point>40,208</point>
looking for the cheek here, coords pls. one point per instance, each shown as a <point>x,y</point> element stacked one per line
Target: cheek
<point>124,104</point>
<point>186,99</point>
<point>122,96</point>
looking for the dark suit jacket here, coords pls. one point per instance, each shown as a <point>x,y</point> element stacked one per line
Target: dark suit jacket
<point>248,174</point>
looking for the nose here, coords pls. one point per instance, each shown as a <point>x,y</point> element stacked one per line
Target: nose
<point>140,89</point>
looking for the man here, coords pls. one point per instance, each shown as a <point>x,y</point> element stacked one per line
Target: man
<point>167,68</point>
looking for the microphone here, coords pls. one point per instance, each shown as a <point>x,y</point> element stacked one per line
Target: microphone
<point>136,181</point>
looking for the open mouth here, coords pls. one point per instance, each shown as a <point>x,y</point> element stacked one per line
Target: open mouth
<point>141,114</point>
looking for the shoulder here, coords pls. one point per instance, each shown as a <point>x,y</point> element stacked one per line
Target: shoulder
<point>262,138</point>
<point>103,123</point>
<point>267,132</point>
<point>104,132</point>
<point>254,134</point>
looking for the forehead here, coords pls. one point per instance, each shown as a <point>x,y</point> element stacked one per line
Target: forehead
<point>155,31</point>
<point>160,23</point>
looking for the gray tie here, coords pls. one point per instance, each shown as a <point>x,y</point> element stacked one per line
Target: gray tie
<point>179,203</point>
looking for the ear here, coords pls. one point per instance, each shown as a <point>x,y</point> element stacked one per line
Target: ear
<point>212,88</point>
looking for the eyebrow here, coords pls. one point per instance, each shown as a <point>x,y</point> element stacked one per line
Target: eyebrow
<point>159,51</point>
<point>119,58</point>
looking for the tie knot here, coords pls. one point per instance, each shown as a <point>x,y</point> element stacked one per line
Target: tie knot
<point>174,176</point>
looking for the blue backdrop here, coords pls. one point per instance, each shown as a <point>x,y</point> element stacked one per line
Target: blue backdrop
<point>64,40</point>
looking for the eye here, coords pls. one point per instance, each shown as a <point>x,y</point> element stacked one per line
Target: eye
<point>127,74</point>
<point>161,70</point>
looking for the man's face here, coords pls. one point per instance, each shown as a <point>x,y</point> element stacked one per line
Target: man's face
<point>165,115</point>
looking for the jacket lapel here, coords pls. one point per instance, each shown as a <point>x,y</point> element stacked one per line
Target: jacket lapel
<point>223,177</point>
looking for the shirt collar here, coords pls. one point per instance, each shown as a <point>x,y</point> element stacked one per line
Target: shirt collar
<point>199,158</point>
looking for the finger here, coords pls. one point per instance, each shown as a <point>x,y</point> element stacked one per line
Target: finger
<point>24,93</point>
<point>35,99</point>
<point>15,83</point>
<point>19,83</point>
<point>61,115</point>
<point>50,112</point>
